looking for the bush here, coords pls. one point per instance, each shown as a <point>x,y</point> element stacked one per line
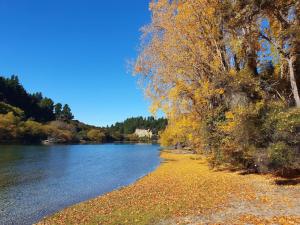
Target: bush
<point>96,135</point>
<point>282,132</point>
<point>263,134</point>
<point>31,131</point>
<point>281,156</point>
<point>283,125</point>
<point>61,132</point>
<point>9,127</point>
<point>6,108</point>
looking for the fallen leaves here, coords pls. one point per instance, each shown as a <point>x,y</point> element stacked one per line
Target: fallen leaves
<point>182,186</point>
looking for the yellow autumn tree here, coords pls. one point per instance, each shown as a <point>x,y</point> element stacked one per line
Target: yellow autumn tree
<point>211,66</point>
<point>184,65</point>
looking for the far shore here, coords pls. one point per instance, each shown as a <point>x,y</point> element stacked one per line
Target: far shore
<point>76,143</point>
<point>184,190</point>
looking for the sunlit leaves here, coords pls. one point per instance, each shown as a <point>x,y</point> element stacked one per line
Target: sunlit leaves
<point>182,189</point>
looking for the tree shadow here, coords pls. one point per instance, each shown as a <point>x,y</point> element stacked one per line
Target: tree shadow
<point>283,182</point>
<point>231,169</point>
<point>168,160</point>
<point>248,172</point>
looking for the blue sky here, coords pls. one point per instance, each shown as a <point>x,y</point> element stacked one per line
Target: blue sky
<point>75,52</point>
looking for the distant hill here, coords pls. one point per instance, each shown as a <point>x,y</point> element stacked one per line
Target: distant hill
<point>131,124</point>
<point>125,131</point>
<point>30,118</point>
<point>35,106</point>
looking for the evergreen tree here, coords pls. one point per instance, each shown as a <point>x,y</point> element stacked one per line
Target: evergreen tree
<point>66,113</point>
<point>57,110</point>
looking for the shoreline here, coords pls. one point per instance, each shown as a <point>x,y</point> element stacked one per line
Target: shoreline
<point>182,189</point>
<point>89,199</point>
<point>114,190</point>
<point>76,143</point>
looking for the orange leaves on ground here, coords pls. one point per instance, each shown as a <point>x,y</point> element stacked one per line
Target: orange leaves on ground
<point>181,186</point>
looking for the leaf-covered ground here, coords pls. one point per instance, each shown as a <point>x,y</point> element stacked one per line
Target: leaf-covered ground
<point>183,190</point>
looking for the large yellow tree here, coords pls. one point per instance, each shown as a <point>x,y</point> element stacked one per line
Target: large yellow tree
<point>215,67</point>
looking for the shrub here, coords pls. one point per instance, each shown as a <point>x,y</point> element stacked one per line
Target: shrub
<point>281,156</point>
<point>61,132</point>
<point>265,133</point>
<point>96,135</point>
<point>281,129</point>
<point>6,108</point>
<point>9,127</point>
<point>32,131</point>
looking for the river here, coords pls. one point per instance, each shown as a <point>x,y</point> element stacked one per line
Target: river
<point>36,181</point>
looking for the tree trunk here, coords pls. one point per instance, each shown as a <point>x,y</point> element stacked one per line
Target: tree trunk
<point>251,62</point>
<point>236,63</point>
<point>294,82</point>
<point>297,47</point>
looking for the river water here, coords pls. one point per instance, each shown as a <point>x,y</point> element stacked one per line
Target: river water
<point>36,181</point>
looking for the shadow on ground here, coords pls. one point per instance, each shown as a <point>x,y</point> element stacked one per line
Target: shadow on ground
<point>288,181</point>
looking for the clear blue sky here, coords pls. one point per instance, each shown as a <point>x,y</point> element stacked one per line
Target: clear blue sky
<point>75,52</point>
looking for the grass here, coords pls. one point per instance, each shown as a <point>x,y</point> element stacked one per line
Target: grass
<point>182,187</point>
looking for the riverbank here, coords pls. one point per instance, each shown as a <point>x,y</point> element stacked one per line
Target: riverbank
<point>184,190</point>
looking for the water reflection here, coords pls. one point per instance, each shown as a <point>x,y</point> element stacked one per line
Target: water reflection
<point>22,164</point>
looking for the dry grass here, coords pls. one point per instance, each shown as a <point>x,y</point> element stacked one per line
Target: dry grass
<point>184,190</point>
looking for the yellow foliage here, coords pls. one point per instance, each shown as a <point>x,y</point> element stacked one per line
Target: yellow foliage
<point>95,135</point>
<point>207,64</point>
<point>8,126</point>
<point>229,115</point>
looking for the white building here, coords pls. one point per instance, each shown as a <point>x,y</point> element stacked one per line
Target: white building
<point>143,133</point>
